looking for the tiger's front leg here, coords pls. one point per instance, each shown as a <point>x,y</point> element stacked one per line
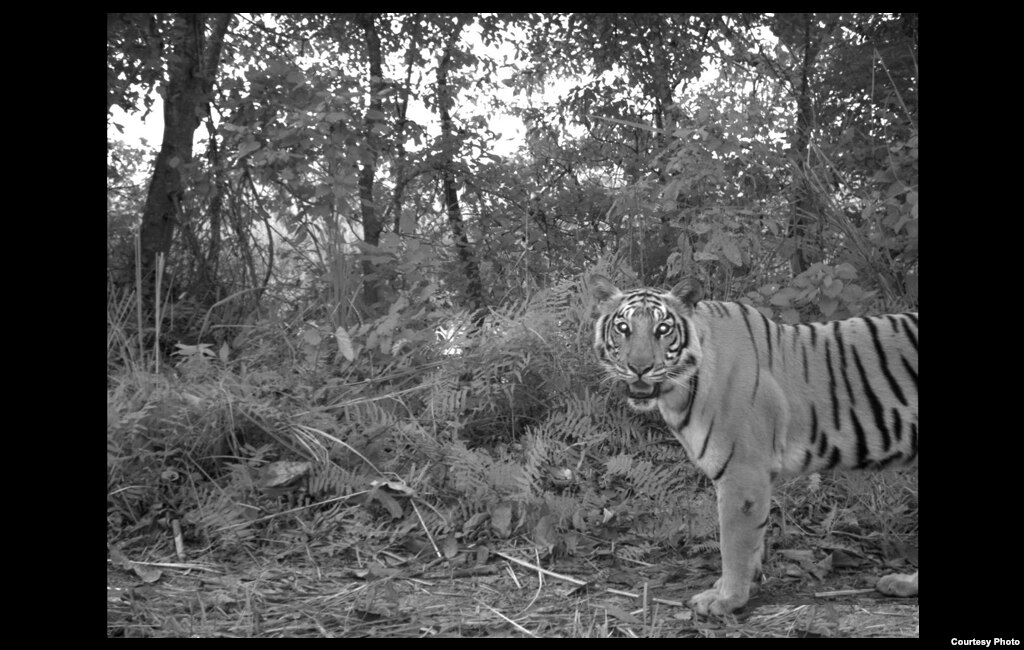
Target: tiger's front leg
<point>744,496</point>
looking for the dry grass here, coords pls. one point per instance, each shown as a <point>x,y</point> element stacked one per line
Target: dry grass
<point>501,600</point>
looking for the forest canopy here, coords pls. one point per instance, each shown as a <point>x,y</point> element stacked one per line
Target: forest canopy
<point>348,160</point>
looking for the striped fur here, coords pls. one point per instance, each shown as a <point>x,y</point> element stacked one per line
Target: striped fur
<point>751,400</point>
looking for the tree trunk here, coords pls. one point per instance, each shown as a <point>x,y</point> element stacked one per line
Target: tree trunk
<point>372,225</point>
<point>191,70</point>
<point>799,218</point>
<point>474,288</point>
<point>404,226</point>
<point>805,211</point>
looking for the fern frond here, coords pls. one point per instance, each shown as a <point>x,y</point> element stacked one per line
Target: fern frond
<point>710,546</point>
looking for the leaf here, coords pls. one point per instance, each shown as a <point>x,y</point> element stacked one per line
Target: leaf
<point>784,298</point>
<point>544,533</point>
<point>344,344</point>
<point>846,271</point>
<point>193,401</point>
<point>501,520</point>
<point>834,288</point>
<point>828,306</point>
<point>247,148</point>
<point>147,573</point>
<point>393,507</point>
<point>621,614</point>
<point>473,522</point>
<point>283,473</point>
<point>732,252</point>
<point>397,486</point>
<point>449,547</point>
<point>670,192</point>
<point>312,336</point>
<point>482,552</point>
<point>674,264</point>
<point>377,570</point>
<point>119,559</point>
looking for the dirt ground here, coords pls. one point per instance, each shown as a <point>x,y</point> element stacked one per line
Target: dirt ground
<point>495,598</point>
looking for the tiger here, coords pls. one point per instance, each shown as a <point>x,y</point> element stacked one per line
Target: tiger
<point>751,400</point>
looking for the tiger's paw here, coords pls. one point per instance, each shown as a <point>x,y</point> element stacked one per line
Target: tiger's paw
<point>898,584</point>
<point>716,603</point>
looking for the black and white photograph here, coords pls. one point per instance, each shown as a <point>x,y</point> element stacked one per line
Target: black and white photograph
<point>524,325</point>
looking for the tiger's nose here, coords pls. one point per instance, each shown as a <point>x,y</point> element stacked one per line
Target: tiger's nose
<point>639,373</point>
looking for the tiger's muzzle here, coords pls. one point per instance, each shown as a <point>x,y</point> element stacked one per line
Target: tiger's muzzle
<point>642,391</point>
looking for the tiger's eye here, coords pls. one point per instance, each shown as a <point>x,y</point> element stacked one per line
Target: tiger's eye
<point>622,327</point>
<point>662,329</point>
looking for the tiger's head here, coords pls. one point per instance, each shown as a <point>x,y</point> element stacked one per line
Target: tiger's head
<point>646,339</point>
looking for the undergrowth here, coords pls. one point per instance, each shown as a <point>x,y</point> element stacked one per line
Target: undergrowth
<point>421,443</point>
<point>497,435</point>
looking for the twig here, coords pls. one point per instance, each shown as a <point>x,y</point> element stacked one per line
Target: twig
<point>509,620</point>
<point>534,567</point>
<point>425,529</point>
<point>179,543</point>
<point>627,594</point>
<point>581,583</point>
<point>843,592</point>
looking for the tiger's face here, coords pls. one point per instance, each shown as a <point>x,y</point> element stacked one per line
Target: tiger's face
<point>643,338</point>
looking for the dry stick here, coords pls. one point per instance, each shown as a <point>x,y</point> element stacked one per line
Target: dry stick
<point>581,583</point>
<point>138,295</point>
<point>424,524</point>
<point>156,307</point>
<point>644,607</point>
<point>206,319</point>
<point>578,583</point>
<point>540,584</point>
<point>513,623</point>
<point>179,543</point>
<point>187,566</point>
<point>843,592</point>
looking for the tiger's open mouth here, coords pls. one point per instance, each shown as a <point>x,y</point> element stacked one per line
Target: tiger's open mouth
<point>642,391</point>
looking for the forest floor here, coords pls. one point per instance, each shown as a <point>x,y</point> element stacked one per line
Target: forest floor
<point>480,594</point>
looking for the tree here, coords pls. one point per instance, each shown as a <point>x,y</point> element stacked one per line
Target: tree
<point>195,42</point>
<point>350,158</point>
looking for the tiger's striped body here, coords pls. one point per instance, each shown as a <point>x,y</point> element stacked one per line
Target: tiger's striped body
<point>751,400</point>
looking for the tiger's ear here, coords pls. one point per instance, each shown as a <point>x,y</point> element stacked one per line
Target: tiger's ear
<point>689,291</point>
<point>602,288</point>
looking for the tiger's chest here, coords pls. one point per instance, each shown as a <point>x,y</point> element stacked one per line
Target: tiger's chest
<point>698,436</point>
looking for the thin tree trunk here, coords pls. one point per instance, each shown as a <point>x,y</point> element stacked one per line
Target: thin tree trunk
<point>372,225</point>
<point>799,218</point>
<point>474,288</point>
<point>399,162</point>
<point>805,211</point>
